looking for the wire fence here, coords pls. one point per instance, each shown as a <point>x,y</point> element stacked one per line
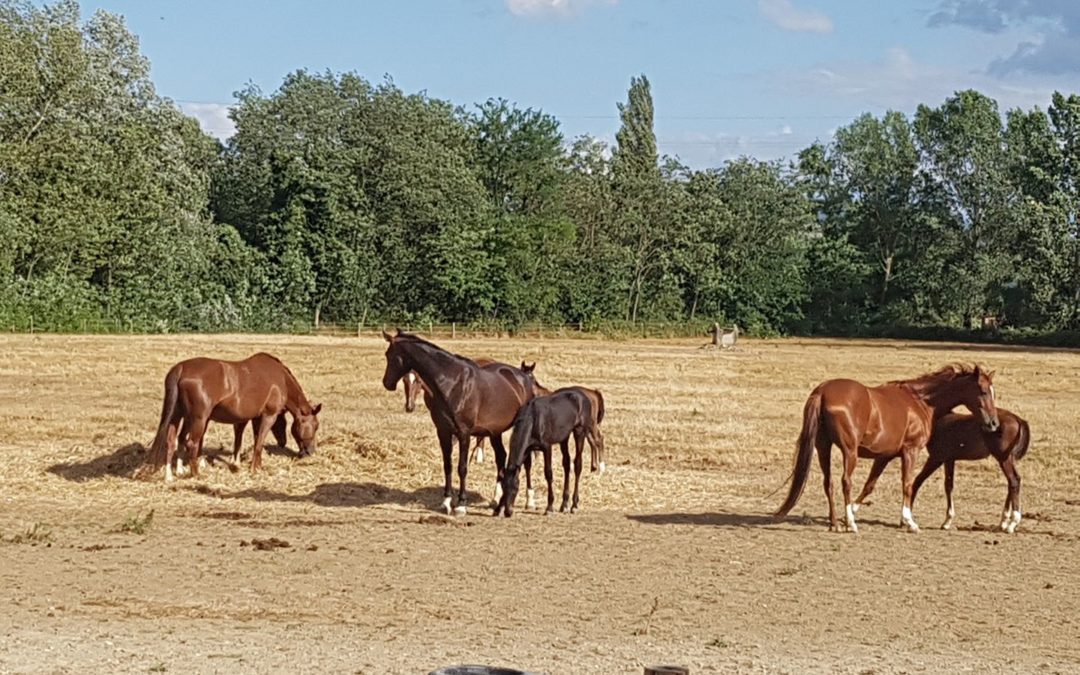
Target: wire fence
<point>451,330</point>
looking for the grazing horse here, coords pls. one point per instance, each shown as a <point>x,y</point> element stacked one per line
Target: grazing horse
<point>258,388</point>
<point>892,419</point>
<point>541,423</point>
<point>961,437</point>
<point>464,400</point>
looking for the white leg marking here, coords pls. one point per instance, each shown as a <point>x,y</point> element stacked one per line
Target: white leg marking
<point>1014,520</point>
<point>603,466</point>
<point>202,464</point>
<point>852,527</point>
<point>498,492</point>
<point>1006,516</point>
<point>181,470</point>
<point>906,517</point>
<point>948,519</point>
<point>531,502</point>
<point>169,477</point>
<point>855,507</point>
<point>446,505</point>
<point>479,454</point>
<point>461,510</point>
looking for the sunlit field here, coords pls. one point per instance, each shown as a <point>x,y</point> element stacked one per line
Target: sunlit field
<point>674,557</point>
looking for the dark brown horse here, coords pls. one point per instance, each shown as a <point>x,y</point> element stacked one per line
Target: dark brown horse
<point>234,392</point>
<point>962,437</point>
<point>414,385</point>
<point>464,400</point>
<point>893,419</point>
<point>541,423</point>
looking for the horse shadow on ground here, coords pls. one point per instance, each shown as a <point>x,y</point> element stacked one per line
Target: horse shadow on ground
<point>741,521</point>
<point>352,495</point>
<point>123,462</point>
<point>120,462</point>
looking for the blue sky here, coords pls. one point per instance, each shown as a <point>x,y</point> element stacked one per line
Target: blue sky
<point>762,78</point>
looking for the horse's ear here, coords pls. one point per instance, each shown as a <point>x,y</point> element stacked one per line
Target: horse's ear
<point>317,409</point>
<point>387,336</point>
<point>526,368</point>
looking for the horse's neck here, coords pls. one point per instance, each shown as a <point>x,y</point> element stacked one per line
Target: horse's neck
<point>939,397</point>
<point>294,395</point>
<point>431,362</point>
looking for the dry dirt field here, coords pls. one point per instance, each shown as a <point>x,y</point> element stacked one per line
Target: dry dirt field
<point>674,557</point>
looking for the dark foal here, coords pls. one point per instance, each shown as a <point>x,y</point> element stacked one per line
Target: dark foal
<point>962,437</point>
<point>540,424</point>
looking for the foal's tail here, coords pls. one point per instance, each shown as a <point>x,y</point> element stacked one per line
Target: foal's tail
<point>599,406</point>
<point>1023,439</point>
<point>804,452</point>
<point>158,451</point>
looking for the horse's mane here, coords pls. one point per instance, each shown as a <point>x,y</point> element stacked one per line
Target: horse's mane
<point>939,377</point>
<point>416,339</point>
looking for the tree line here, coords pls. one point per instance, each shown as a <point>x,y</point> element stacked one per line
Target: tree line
<point>341,200</point>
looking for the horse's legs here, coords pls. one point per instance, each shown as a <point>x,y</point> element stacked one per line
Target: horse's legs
<point>261,427</point>
<point>193,443</point>
<point>929,468</point>
<point>280,437</point>
<point>824,453</point>
<point>464,441</point>
<point>565,447</point>
<point>579,446</point>
<point>529,491</point>
<point>446,443</point>
<point>907,463</point>
<point>871,481</point>
<point>500,463</point>
<point>549,476</point>
<point>238,439</point>
<point>950,506</point>
<point>171,444</point>
<point>1011,518</point>
<point>850,453</point>
<point>478,451</point>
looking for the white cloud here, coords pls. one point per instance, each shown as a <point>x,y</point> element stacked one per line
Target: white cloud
<point>212,117</point>
<point>899,82</point>
<point>706,150</point>
<point>552,8</point>
<point>789,17</point>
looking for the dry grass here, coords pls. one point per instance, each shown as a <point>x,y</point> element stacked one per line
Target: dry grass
<point>80,411</point>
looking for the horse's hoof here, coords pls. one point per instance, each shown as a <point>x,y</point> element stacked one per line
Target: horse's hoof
<point>912,527</point>
<point>446,506</point>
<point>460,510</point>
<point>574,509</point>
<point>947,525</point>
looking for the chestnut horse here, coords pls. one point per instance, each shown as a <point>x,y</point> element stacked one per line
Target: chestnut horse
<point>542,422</point>
<point>464,400</point>
<point>199,390</point>
<point>961,437</point>
<point>893,419</point>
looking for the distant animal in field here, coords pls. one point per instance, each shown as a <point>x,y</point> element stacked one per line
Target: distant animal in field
<point>201,390</point>
<point>464,399</point>
<point>889,420</point>
<point>722,339</point>
<point>541,423</point>
<point>958,436</point>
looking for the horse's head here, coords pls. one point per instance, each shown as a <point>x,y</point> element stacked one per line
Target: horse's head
<point>980,400</point>
<point>305,425</point>
<point>397,361</point>
<point>532,387</point>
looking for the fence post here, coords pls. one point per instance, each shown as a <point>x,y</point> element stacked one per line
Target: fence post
<point>359,329</point>
<point>31,324</point>
<point>453,329</point>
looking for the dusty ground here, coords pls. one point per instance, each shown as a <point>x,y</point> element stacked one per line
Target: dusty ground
<point>674,558</point>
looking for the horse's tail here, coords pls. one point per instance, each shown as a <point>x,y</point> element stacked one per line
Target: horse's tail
<point>599,406</point>
<point>804,452</point>
<point>1023,439</point>
<point>158,451</point>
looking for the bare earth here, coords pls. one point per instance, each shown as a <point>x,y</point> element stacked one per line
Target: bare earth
<point>673,559</point>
